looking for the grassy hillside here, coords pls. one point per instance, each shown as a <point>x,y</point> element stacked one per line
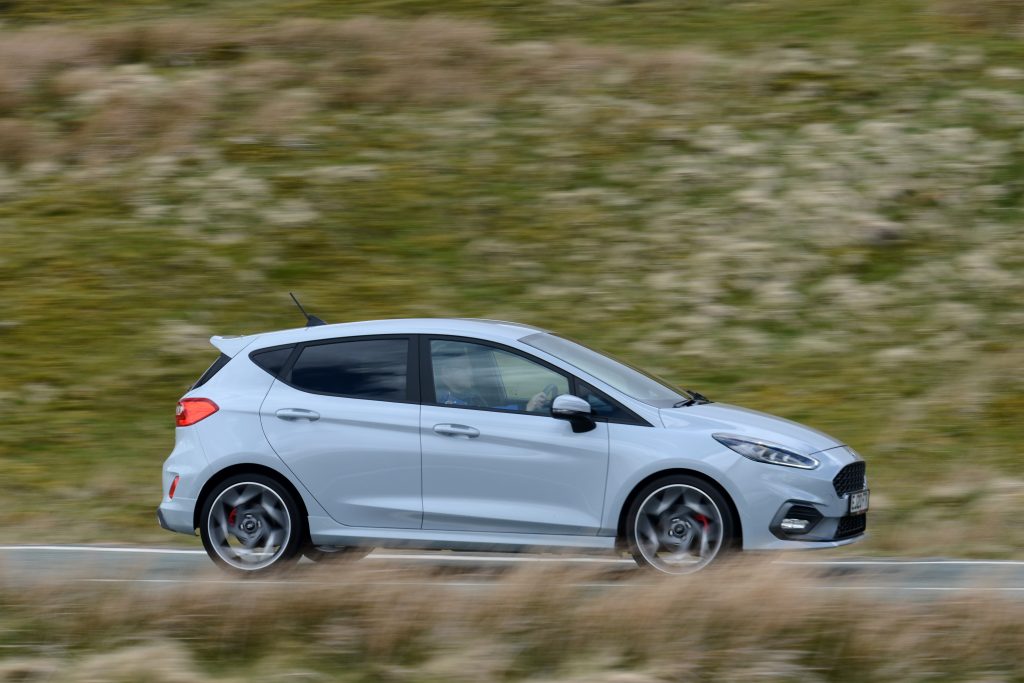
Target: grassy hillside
<point>811,211</point>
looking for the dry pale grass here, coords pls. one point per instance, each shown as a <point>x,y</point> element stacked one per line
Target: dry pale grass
<point>1003,16</point>
<point>131,90</point>
<point>746,621</point>
<point>18,143</point>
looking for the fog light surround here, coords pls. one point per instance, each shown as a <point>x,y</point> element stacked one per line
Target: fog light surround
<point>794,519</point>
<point>794,525</point>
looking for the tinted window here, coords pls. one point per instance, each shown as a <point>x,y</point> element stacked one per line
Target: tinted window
<point>212,370</point>
<point>600,403</point>
<point>369,368</point>
<point>273,360</point>
<point>479,376</point>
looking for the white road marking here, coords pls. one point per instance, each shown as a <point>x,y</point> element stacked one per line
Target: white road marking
<point>487,584</point>
<point>271,582</point>
<point>884,563</point>
<point>104,549</point>
<point>968,589</point>
<point>451,557</point>
<point>483,558</point>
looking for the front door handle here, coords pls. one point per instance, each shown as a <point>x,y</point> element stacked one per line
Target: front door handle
<point>457,430</point>
<point>298,414</point>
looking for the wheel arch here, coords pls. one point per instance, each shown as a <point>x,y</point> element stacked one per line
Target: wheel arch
<point>620,531</point>
<point>249,468</point>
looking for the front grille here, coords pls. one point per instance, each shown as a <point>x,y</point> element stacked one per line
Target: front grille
<point>850,479</point>
<point>851,526</point>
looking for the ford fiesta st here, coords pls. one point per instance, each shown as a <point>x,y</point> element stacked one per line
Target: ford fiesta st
<point>330,440</point>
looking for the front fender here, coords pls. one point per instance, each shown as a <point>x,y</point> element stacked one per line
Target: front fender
<point>637,457</point>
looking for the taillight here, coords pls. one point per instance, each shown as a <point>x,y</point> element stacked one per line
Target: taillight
<point>192,410</point>
<point>174,485</point>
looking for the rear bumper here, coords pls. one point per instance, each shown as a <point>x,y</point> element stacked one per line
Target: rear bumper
<point>177,515</point>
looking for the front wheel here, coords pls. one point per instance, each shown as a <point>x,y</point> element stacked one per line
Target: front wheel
<point>251,524</point>
<point>678,525</point>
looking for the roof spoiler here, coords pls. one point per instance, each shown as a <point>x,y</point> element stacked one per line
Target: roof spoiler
<point>230,346</point>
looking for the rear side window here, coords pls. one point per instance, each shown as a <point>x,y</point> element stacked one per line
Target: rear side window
<point>272,360</point>
<point>368,368</point>
<point>212,370</point>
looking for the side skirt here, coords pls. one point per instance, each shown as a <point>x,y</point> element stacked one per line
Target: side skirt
<point>325,531</point>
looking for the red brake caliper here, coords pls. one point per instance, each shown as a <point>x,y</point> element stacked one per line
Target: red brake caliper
<point>231,516</point>
<point>703,520</point>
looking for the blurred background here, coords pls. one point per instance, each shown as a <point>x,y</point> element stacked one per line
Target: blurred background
<point>808,208</point>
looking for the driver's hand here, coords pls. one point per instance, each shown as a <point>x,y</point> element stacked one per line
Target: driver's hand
<point>538,404</point>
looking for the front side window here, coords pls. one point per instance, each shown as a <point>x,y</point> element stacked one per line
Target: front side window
<point>367,368</point>
<point>625,378</point>
<point>480,376</point>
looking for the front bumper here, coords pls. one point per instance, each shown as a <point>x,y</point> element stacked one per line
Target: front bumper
<point>822,495</point>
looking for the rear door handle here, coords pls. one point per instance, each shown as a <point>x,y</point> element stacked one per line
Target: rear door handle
<point>457,430</point>
<point>292,414</point>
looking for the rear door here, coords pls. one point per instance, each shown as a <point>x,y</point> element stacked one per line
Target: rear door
<point>493,457</point>
<point>344,417</point>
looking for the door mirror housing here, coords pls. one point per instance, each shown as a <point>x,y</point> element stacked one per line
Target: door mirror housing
<point>574,409</point>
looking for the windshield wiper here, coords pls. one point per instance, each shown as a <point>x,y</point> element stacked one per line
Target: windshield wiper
<point>693,398</point>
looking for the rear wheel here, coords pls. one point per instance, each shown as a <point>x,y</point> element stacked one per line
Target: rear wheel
<point>678,525</point>
<point>250,523</point>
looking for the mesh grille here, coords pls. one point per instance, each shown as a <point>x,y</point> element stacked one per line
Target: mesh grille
<point>851,526</point>
<point>849,479</point>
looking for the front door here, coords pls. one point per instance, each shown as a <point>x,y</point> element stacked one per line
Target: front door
<point>493,457</point>
<point>345,420</point>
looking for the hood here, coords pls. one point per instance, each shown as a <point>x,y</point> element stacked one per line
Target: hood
<point>722,417</point>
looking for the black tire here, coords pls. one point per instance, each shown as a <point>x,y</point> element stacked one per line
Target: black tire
<point>335,555</point>
<point>284,509</point>
<point>706,498</point>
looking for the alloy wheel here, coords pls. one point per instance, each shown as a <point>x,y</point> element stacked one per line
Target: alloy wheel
<point>249,526</point>
<point>678,529</point>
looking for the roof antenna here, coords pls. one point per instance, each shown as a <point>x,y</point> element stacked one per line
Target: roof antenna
<point>311,320</point>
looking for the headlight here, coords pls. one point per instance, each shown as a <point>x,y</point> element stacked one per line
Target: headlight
<point>766,452</point>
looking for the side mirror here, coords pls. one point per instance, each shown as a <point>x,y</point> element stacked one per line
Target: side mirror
<point>574,409</point>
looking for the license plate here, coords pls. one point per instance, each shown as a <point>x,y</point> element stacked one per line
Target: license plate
<point>859,502</point>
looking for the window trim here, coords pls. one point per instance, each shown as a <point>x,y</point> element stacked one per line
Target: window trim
<point>412,389</point>
<point>426,379</point>
<point>287,361</point>
<point>215,367</point>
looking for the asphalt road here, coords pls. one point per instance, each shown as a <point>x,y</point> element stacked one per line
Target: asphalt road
<point>170,566</point>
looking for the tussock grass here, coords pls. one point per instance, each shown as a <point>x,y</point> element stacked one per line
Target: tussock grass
<point>747,621</point>
<point>1001,16</point>
<point>163,87</point>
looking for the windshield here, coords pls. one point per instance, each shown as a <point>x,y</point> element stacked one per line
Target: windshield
<point>623,377</point>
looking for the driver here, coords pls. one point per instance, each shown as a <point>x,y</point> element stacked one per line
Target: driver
<point>455,382</point>
<point>456,387</point>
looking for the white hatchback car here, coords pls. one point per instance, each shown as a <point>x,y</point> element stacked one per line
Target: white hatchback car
<point>330,440</point>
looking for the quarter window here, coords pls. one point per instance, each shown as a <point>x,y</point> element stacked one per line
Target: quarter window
<point>369,368</point>
<point>600,403</point>
<point>480,376</point>
<point>272,360</point>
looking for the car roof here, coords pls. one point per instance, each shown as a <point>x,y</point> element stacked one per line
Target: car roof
<point>497,330</point>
